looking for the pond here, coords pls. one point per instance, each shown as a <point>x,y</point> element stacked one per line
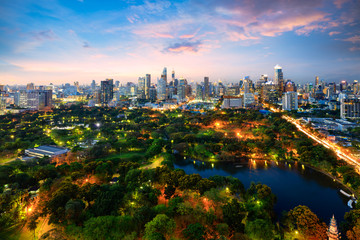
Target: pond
<point>293,184</point>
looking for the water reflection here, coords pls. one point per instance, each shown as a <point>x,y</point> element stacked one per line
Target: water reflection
<point>293,183</point>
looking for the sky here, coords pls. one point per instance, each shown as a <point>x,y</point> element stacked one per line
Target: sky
<point>62,41</point>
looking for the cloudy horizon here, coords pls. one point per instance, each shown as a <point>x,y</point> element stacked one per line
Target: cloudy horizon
<point>60,41</point>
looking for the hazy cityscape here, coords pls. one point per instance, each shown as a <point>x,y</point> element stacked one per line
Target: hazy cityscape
<point>179,120</point>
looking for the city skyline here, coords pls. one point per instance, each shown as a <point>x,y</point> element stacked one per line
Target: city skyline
<point>67,41</point>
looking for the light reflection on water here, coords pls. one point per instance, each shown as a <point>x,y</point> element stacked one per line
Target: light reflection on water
<point>294,184</point>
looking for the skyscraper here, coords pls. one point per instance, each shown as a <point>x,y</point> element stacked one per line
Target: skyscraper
<point>206,88</point>
<point>141,88</point>
<point>93,85</point>
<point>161,88</point>
<point>164,75</point>
<point>279,79</point>
<point>30,86</point>
<point>173,76</point>
<point>107,91</point>
<point>147,85</point>
<point>317,81</point>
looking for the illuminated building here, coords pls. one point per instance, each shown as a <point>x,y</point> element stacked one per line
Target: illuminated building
<point>206,88</point>
<point>350,108</point>
<point>290,101</point>
<point>161,86</point>
<point>147,85</point>
<point>279,79</point>
<point>290,86</point>
<point>141,88</point>
<point>107,91</point>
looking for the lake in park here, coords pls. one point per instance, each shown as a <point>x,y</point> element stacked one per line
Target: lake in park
<point>292,184</point>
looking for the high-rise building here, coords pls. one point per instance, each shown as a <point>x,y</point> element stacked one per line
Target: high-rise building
<point>290,101</point>
<point>317,81</point>
<point>45,99</point>
<point>93,85</point>
<point>161,86</point>
<point>141,88</point>
<point>161,89</point>
<point>32,100</point>
<point>30,86</point>
<point>343,85</point>
<point>199,92</point>
<point>206,88</point>
<point>152,93</point>
<point>2,100</point>
<point>290,86</point>
<point>164,75</point>
<point>107,91</point>
<point>173,76</point>
<point>279,79</point>
<point>20,99</point>
<point>147,85</point>
<point>349,108</point>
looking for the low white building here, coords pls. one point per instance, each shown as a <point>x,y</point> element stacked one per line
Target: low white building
<point>44,151</point>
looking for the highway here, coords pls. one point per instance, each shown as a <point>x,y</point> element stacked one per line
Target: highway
<point>340,153</point>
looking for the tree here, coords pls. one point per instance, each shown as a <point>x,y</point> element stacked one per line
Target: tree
<point>161,224</point>
<point>233,214</point>
<point>260,229</point>
<point>169,191</point>
<point>108,227</point>
<point>194,231</point>
<point>302,219</point>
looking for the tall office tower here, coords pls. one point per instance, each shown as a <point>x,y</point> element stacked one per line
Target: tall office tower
<point>164,75</point>
<point>206,88</point>
<point>20,99</point>
<point>199,92</point>
<point>176,82</point>
<point>93,85</point>
<point>317,81</point>
<point>173,76</point>
<point>141,88</point>
<point>181,93</point>
<point>2,88</point>
<point>32,99</point>
<point>147,85</point>
<point>161,89</point>
<point>279,79</point>
<point>45,99</point>
<point>30,86</point>
<point>117,84</point>
<point>76,84</point>
<point>107,91</point>
<point>290,101</point>
<point>152,93</point>
<point>350,108</point>
<point>356,87</point>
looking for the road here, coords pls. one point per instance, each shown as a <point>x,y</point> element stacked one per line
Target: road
<point>339,152</point>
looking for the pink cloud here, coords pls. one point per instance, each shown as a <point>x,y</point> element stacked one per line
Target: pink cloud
<point>353,39</point>
<point>334,33</point>
<point>339,3</point>
<point>354,49</point>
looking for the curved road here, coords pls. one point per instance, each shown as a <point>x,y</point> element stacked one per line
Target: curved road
<point>340,153</point>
